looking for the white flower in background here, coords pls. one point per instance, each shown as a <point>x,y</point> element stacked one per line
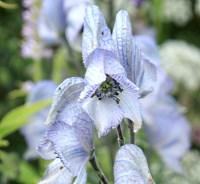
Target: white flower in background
<point>177,11</point>
<point>182,62</point>
<point>34,130</point>
<point>32,47</point>
<point>197,7</point>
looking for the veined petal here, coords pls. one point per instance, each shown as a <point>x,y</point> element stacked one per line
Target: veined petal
<point>129,103</point>
<point>105,113</point>
<point>131,166</point>
<point>67,92</point>
<point>96,33</point>
<point>68,146</point>
<point>57,173</point>
<point>46,149</point>
<point>122,37</point>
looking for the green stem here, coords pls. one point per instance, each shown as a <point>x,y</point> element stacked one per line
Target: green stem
<point>96,167</point>
<point>111,12</point>
<point>120,136</point>
<point>131,130</point>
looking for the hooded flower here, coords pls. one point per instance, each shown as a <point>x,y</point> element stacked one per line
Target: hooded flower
<point>59,18</point>
<point>117,73</point>
<point>68,139</point>
<point>35,128</point>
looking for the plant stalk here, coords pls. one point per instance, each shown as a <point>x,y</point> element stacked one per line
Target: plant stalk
<point>98,170</point>
<point>131,130</point>
<point>120,136</point>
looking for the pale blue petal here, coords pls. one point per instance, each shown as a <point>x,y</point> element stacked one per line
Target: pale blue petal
<point>131,166</point>
<point>56,173</point>
<point>122,37</point>
<point>46,149</point>
<point>96,33</point>
<point>105,113</point>
<point>68,146</point>
<point>130,106</point>
<point>67,92</point>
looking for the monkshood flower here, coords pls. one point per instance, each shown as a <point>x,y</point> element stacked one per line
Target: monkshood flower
<point>131,166</point>
<point>167,129</point>
<point>117,73</point>
<point>32,46</point>
<point>61,18</point>
<point>137,3</point>
<point>35,128</point>
<point>68,140</point>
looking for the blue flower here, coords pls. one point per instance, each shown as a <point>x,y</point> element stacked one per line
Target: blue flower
<point>69,136</point>
<point>35,128</point>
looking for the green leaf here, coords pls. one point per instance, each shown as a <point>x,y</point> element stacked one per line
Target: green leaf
<point>27,174</point>
<point>18,117</point>
<point>4,143</point>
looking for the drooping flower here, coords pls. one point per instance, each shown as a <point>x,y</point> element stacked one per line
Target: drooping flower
<point>61,18</point>
<point>131,166</point>
<point>35,128</point>
<point>68,139</point>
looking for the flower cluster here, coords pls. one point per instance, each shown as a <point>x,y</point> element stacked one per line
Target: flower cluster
<point>178,12</point>
<point>185,57</point>
<point>32,47</point>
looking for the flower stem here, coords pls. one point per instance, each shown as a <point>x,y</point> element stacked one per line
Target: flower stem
<point>131,130</point>
<point>96,167</point>
<point>120,136</point>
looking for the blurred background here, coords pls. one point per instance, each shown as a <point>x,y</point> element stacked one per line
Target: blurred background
<point>29,53</point>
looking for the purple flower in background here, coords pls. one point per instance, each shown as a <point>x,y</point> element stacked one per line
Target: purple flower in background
<point>32,47</point>
<point>138,3</point>
<point>69,136</point>
<point>34,130</point>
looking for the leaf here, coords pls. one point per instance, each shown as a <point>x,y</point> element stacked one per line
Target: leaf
<point>18,117</point>
<point>131,166</point>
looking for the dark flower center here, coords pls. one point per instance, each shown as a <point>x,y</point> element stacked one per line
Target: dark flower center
<point>110,88</point>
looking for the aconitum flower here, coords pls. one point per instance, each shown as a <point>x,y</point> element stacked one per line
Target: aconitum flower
<point>109,96</point>
<point>32,47</point>
<point>167,129</point>
<point>111,87</point>
<point>68,139</point>
<point>35,128</point>
<point>61,18</point>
